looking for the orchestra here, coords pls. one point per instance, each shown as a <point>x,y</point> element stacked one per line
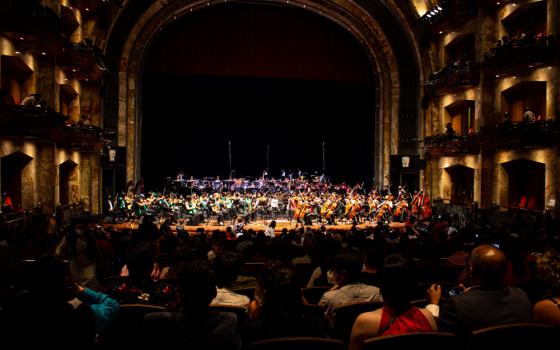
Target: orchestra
<point>303,201</point>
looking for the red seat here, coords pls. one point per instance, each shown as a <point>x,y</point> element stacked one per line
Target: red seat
<point>532,203</point>
<point>523,202</point>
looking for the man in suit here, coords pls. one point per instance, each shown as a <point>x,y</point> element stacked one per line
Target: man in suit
<point>488,302</point>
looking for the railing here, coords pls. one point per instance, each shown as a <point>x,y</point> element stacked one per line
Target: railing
<point>520,55</point>
<point>442,145</point>
<point>520,135</point>
<point>22,121</point>
<point>454,76</point>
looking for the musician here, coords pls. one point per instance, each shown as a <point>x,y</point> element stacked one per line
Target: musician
<point>274,208</point>
<point>217,185</point>
<point>180,176</point>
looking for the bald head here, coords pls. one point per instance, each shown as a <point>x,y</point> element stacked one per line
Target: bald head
<point>488,266</point>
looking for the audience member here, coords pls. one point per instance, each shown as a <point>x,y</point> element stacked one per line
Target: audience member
<point>32,100</point>
<point>397,316</point>
<point>548,310</point>
<point>347,267</point>
<point>56,313</point>
<point>488,302</point>
<point>278,310</point>
<point>195,326</point>
<point>227,266</point>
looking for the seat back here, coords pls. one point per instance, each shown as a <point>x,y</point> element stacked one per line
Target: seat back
<point>345,316</point>
<point>418,340</point>
<point>313,294</point>
<point>240,311</point>
<point>127,325</point>
<point>514,336</point>
<point>297,343</point>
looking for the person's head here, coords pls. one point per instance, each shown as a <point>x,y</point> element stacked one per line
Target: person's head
<point>488,266</point>
<point>37,96</point>
<point>140,262</point>
<point>227,267</point>
<point>279,292</point>
<point>548,266</point>
<point>347,266</point>
<point>196,286</point>
<point>398,282</point>
<point>273,223</point>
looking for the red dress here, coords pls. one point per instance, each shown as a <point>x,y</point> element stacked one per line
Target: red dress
<point>412,320</point>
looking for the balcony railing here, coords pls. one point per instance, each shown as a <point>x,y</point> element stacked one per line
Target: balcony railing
<point>47,125</point>
<point>517,56</point>
<point>453,77</point>
<point>449,14</point>
<point>520,135</point>
<point>445,145</point>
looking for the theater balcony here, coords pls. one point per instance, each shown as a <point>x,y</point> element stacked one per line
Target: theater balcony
<point>46,125</point>
<point>518,56</point>
<point>33,27</point>
<point>82,138</point>
<point>29,122</point>
<point>449,145</point>
<point>521,135</point>
<point>82,61</point>
<point>446,15</point>
<point>455,76</point>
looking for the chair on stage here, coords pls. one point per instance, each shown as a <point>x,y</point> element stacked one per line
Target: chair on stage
<point>514,336</point>
<point>418,340</point>
<point>297,343</point>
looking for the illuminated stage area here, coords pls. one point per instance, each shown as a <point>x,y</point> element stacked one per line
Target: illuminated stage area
<point>260,225</point>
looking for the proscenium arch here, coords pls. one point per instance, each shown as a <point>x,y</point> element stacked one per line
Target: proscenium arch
<point>395,60</point>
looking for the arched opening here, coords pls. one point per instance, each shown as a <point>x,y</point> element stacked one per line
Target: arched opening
<point>462,184</point>
<point>276,83</point>
<point>12,167</point>
<point>68,183</point>
<point>526,184</point>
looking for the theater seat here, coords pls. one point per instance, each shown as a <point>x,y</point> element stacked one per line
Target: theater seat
<point>419,340</point>
<point>523,202</point>
<point>532,203</point>
<point>514,336</point>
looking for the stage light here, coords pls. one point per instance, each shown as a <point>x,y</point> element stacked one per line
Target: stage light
<point>20,38</point>
<point>43,53</point>
<point>439,8</point>
<point>17,52</point>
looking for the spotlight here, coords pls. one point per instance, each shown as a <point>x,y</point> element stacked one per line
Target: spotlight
<point>439,8</point>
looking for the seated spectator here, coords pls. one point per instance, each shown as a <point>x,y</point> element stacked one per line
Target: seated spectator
<point>79,246</point>
<point>278,309</point>
<point>140,285</point>
<point>347,268</point>
<point>32,100</point>
<point>227,266</point>
<point>195,326</point>
<point>528,115</point>
<point>58,314</point>
<point>488,302</point>
<point>547,311</point>
<point>397,316</point>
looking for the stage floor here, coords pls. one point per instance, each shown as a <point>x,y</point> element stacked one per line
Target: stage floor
<point>260,225</point>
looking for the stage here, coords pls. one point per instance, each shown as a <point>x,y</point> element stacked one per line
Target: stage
<point>259,225</point>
